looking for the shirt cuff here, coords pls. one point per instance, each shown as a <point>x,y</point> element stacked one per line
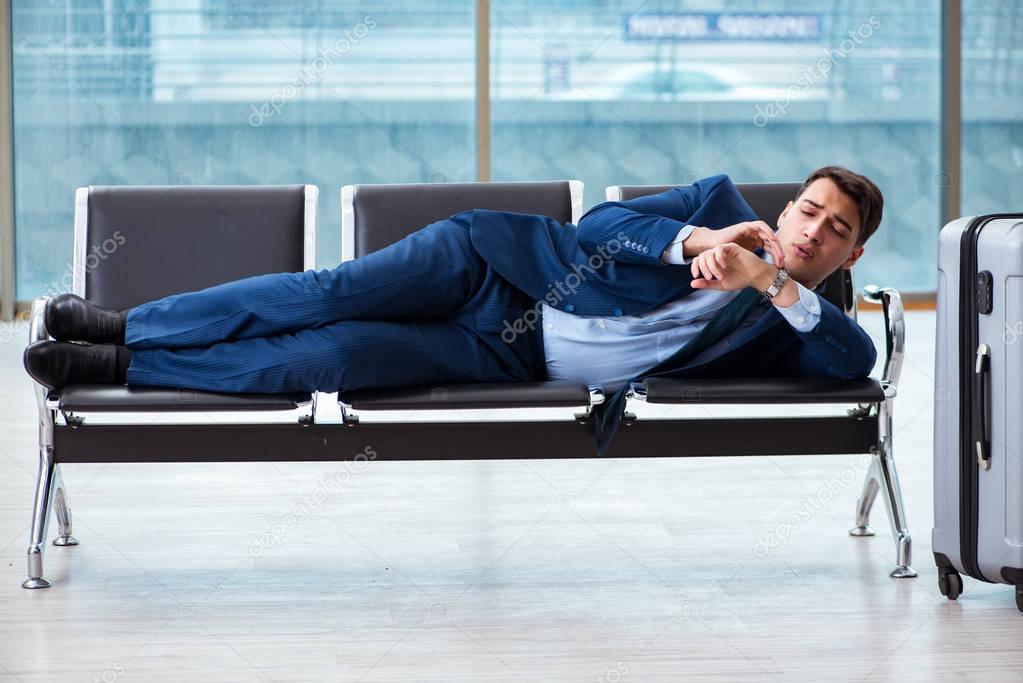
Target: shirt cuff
<point>805,313</point>
<point>674,254</point>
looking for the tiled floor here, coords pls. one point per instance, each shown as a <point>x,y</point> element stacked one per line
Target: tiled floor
<point>540,570</point>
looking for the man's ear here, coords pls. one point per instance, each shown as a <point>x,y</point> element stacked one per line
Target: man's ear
<point>783,213</point>
<point>853,257</point>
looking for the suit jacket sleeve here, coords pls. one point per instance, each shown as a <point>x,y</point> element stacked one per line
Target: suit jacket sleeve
<point>641,228</point>
<point>836,347</point>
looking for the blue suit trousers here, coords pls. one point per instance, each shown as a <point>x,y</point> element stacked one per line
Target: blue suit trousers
<point>424,310</point>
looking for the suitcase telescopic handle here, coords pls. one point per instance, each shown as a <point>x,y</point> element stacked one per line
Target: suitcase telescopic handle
<point>982,418</point>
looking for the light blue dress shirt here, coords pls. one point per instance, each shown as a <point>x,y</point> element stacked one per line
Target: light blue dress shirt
<point>608,350</point>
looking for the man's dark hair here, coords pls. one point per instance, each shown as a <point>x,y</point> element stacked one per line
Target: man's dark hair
<point>860,189</point>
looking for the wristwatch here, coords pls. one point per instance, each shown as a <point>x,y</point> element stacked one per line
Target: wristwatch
<point>776,286</point>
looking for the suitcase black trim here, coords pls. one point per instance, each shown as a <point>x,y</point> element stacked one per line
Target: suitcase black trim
<point>941,561</point>
<point>1014,576</point>
<point>971,398</point>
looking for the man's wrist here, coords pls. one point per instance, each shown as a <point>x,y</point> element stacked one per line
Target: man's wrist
<point>699,241</point>
<point>786,296</point>
<point>763,280</point>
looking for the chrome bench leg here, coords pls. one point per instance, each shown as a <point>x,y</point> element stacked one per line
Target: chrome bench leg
<point>866,501</point>
<point>40,519</point>
<point>50,492</point>
<point>883,477</point>
<point>62,510</point>
<point>897,516</point>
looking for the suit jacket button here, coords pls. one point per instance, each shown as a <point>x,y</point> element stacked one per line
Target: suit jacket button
<point>569,308</point>
<point>617,311</point>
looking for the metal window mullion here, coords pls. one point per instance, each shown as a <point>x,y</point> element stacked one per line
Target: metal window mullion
<point>6,164</point>
<point>482,90</point>
<point>950,117</point>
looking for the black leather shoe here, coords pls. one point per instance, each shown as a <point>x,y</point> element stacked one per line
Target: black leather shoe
<point>69,317</point>
<point>59,364</point>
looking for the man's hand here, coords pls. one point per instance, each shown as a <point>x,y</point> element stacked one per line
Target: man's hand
<point>749,235</point>
<point>729,266</point>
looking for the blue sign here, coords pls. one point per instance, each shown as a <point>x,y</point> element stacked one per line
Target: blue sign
<point>714,26</point>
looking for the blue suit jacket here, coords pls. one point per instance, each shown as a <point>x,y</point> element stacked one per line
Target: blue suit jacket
<point>566,266</point>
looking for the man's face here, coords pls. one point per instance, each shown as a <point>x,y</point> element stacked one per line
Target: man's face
<point>818,233</point>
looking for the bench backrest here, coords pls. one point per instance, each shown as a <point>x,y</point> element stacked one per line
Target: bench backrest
<point>767,200</point>
<point>133,244</point>
<point>374,216</point>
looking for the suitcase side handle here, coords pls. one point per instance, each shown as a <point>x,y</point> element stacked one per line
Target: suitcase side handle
<point>982,419</point>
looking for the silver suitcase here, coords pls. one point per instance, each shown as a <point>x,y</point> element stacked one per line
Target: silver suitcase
<point>978,404</point>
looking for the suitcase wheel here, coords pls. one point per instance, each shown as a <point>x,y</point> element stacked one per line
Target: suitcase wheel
<point>951,586</point>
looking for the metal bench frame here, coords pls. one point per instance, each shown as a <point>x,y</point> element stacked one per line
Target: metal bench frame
<point>866,428</point>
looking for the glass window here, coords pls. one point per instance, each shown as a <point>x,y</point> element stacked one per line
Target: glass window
<point>112,92</point>
<point>334,92</point>
<point>663,95</point>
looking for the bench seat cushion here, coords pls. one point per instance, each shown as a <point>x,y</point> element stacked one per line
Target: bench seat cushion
<point>469,396</point>
<point>124,399</point>
<point>763,390</point>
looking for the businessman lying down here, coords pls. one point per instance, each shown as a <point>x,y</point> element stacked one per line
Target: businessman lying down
<point>683,283</point>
